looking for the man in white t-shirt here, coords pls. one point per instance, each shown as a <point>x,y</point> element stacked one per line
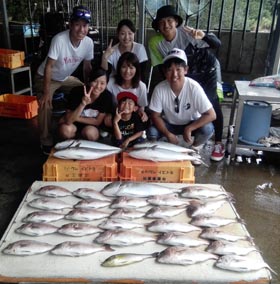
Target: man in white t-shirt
<point>67,50</point>
<point>179,106</point>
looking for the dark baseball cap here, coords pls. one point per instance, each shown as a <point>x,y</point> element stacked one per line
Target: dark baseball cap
<point>81,13</point>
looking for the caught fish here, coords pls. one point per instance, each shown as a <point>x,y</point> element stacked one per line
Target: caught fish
<point>46,203</point>
<point>214,221</point>
<point>27,247</point>
<point>81,153</point>
<point>121,224</point>
<point>202,192</point>
<point>164,212</point>
<point>217,235</point>
<point>53,191</point>
<point>78,229</point>
<point>167,200</point>
<point>76,143</point>
<point>71,248</point>
<point>184,256</point>
<point>180,239</point>
<point>129,202</point>
<point>162,226</point>
<point>43,217</point>
<point>123,238</point>
<point>136,189</point>
<point>36,229</point>
<point>156,154</point>
<point>86,214</point>
<point>224,248</point>
<point>92,203</point>
<point>122,259</point>
<point>206,208</point>
<point>86,193</point>
<point>127,214</point>
<point>241,263</point>
<point>163,145</point>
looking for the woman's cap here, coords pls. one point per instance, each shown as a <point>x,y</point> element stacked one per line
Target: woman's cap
<point>176,53</point>
<point>81,13</point>
<point>126,95</point>
<point>164,12</point>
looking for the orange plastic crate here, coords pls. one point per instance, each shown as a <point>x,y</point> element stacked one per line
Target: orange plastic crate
<point>18,106</point>
<point>11,58</point>
<point>104,169</point>
<point>148,171</point>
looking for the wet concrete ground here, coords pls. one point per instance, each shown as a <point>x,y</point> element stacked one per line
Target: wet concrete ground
<point>255,185</point>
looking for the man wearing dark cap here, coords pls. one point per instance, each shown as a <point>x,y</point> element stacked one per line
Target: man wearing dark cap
<point>203,65</point>
<point>67,50</point>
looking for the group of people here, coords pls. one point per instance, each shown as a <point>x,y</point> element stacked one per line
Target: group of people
<point>114,96</point>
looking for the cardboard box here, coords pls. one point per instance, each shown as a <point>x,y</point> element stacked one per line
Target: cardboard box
<point>148,171</point>
<point>18,106</point>
<point>11,58</point>
<point>104,169</point>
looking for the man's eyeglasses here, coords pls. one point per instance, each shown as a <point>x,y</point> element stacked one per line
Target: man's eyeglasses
<point>177,105</point>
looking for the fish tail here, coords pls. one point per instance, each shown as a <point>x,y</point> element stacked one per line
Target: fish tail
<point>155,254</point>
<point>108,248</point>
<point>242,221</point>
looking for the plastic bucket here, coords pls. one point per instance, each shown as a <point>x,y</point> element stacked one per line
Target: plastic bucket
<point>255,122</point>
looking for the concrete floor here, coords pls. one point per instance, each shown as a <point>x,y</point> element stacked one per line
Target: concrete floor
<point>255,186</point>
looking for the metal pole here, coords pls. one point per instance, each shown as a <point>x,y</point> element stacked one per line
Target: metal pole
<point>141,31</point>
<point>7,39</point>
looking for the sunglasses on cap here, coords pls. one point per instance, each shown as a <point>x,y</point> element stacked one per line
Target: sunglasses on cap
<point>81,13</point>
<point>177,105</point>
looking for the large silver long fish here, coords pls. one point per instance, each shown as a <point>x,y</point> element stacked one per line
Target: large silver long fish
<point>82,153</point>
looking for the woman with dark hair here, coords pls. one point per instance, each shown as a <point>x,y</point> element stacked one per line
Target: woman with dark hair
<point>128,79</point>
<point>88,106</point>
<point>125,34</point>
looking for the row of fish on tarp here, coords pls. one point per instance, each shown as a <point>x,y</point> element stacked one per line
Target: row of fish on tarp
<point>158,151</point>
<point>119,206</point>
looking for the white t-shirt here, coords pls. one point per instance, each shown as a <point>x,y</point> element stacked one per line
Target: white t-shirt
<point>137,48</point>
<point>140,92</point>
<point>67,57</point>
<point>192,102</point>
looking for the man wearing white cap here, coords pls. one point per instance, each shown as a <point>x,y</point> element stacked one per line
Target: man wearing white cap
<point>179,105</point>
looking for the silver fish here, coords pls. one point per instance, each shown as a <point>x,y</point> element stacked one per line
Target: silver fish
<point>156,154</point>
<point>163,145</point>
<point>180,239</point>
<point>184,256</point>
<point>46,203</point>
<point>224,248</point>
<point>76,143</point>
<point>78,229</point>
<point>36,229</point>
<point>121,224</point>
<point>123,238</point>
<point>92,203</point>
<point>129,202</point>
<point>217,235</point>
<point>27,247</point>
<point>202,192</point>
<point>127,214</point>
<point>86,193</point>
<point>136,189</point>
<point>122,259</point>
<point>43,217</point>
<point>80,153</point>
<point>206,208</point>
<point>162,226</point>
<point>241,263</point>
<point>72,248</point>
<point>53,191</point>
<point>86,214</point>
<point>167,200</point>
<point>164,212</point>
<point>214,221</point>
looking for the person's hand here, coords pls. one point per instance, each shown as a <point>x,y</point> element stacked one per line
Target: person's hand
<point>188,135</point>
<point>196,34</point>
<point>125,143</point>
<point>143,115</point>
<point>172,138</point>
<point>109,50</point>
<point>45,101</point>
<point>86,98</point>
<point>118,115</point>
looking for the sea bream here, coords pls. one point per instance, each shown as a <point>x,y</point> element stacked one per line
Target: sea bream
<point>92,203</point>
<point>129,202</point>
<point>123,238</point>
<point>27,247</point>
<point>36,229</point>
<point>47,203</point>
<point>86,193</point>
<point>217,235</point>
<point>167,200</point>
<point>87,214</point>
<point>53,191</point>
<point>43,217</point>
<point>214,221</point>
<point>136,189</point>
<point>164,212</point>
<point>78,229</point>
<point>184,256</point>
<point>121,224</point>
<point>72,248</point>
<point>127,214</point>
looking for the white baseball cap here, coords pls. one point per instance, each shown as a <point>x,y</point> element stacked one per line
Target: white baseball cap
<point>176,53</point>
